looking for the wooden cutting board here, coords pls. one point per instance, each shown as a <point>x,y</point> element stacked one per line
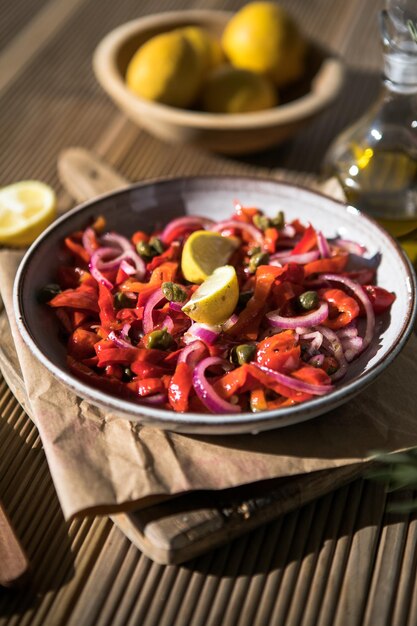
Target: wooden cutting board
<point>181,528</point>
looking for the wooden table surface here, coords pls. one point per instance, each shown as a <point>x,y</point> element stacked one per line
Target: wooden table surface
<point>342,560</point>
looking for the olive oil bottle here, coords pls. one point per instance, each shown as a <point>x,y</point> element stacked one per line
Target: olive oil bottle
<point>375,160</point>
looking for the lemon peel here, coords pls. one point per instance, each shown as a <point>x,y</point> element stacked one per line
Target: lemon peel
<point>203,252</point>
<point>216,298</point>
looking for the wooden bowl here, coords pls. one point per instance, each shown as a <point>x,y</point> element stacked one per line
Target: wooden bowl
<point>227,133</point>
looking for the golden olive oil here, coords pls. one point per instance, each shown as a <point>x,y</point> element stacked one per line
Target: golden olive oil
<point>383,183</point>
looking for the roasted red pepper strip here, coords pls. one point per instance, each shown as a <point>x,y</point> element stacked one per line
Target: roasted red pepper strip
<point>307,241</point>
<point>270,239</point>
<point>106,306</point>
<point>105,383</point>
<point>81,344</point>
<point>179,387</point>
<point>148,370</point>
<point>252,313</point>
<point>77,250</point>
<point>83,297</point>
<point>258,400</point>
<point>279,352</point>
<point>343,308</point>
<point>171,254</point>
<point>149,386</point>
<point>380,298</point>
<point>334,264</point>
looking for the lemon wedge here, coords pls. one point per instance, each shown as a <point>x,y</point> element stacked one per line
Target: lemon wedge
<point>203,252</point>
<point>216,298</point>
<point>26,209</point>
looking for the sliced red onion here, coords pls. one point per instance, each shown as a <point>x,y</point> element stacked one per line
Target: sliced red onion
<point>168,324</point>
<point>288,231</point>
<point>316,360</point>
<point>137,261</point>
<point>348,331</point>
<point>184,222</point>
<point>205,391</point>
<point>95,271</point>
<point>131,295</point>
<point>88,235</point>
<point>117,241</point>
<point>295,383</point>
<point>360,294</point>
<point>98,259</point>
<point>98,263</point>
<point>158,398</point>
<point>230,322</point>
<point>127,268</point>
<point>192,353</point>
<point>350,246</point>
<point>125,330</point>
<point>147,321</point>
<point>251,230</point>
<point>352,346</point>
<point>205,332</point>
<point>301,259</point>
<point>315,340</point>
<point>176,306</point>
<point>119,340</point>
<point>310,319</point>
<point>322,245</point>
<point>335,346</point>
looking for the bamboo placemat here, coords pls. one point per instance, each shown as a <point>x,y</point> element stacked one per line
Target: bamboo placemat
<point>341,560</point>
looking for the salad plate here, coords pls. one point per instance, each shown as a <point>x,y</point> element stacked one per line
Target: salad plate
<point>150,206</point>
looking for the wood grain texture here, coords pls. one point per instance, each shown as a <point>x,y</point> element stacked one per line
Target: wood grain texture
<point>304,567</point>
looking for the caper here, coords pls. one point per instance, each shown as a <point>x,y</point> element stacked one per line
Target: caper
<point>243,353</point>
<point>173,292</point>
<point>279,220</point>
<point>262,222</point>
<point>157,245</point>
<point>254,250</point>
<point>145,250</point>
<point>48,292</point>
<point>308,300</point>
<point>122,301</point>
<point>244,298</point>
<point>261,258</point>
<point>159,339</point>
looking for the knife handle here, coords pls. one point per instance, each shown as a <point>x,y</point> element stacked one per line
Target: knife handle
<point>85,176</point>
<point>14,564</point>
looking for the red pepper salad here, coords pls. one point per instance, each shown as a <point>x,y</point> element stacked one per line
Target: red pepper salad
<point>302,316</point>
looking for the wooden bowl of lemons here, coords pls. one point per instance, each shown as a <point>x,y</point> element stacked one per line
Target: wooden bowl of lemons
<point>204,78</point>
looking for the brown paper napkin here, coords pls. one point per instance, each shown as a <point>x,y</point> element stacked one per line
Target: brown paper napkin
<point>99,463</point>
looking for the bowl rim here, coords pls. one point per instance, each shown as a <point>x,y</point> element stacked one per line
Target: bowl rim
<point>200,422</point>
<point>109,77</point>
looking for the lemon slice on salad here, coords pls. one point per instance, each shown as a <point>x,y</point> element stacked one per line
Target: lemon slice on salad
<point>26,209</point>
<point>216,298</point>
<point>203,252</point>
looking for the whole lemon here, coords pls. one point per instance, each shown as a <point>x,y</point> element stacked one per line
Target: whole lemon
<point>205,45</point>
<point>166,69</point>
<point>232,90</point>
<point>262,37</point>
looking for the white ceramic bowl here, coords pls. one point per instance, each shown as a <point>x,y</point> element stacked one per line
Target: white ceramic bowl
<point>145,206</point>
<point>230,134</point>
